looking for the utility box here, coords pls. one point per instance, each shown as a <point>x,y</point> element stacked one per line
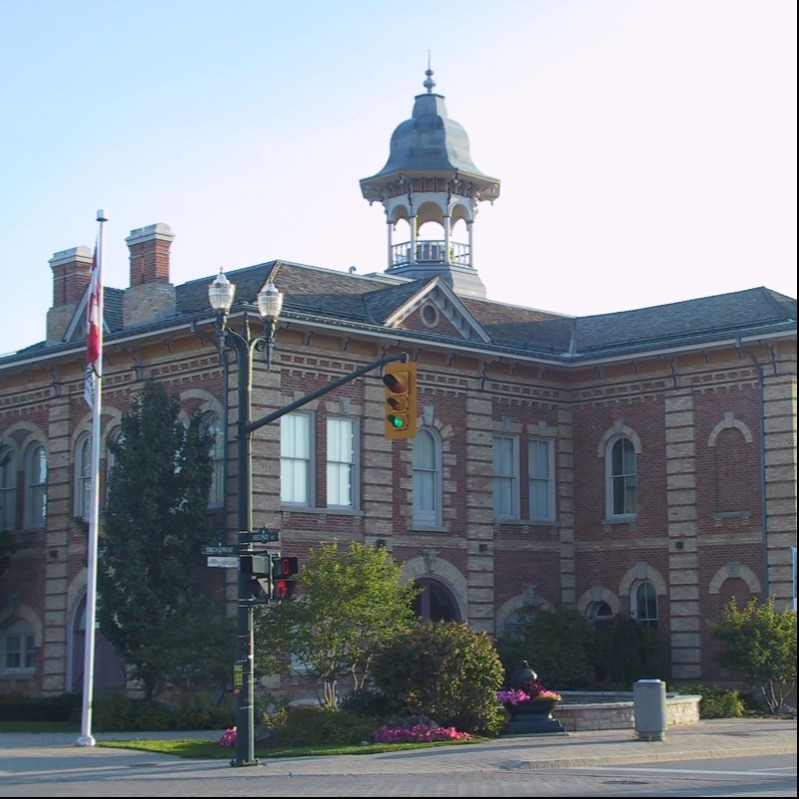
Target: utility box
<point>649,707</point>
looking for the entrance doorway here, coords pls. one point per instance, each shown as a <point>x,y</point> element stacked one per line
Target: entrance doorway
<point>109,670</point>
<point>435,602</point>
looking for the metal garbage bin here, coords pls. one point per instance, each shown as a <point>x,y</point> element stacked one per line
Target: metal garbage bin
<point>649,707</point>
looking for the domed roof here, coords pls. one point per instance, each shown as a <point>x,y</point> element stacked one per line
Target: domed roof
<point>430,141</point>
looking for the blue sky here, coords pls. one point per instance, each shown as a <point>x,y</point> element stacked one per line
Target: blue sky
<point>646,150</point>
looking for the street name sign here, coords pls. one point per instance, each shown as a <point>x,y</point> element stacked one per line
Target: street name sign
<point>223,563</point>
<point>221,549</point>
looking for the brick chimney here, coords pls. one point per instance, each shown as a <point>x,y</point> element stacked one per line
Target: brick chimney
<point>72,271</point>
<point>151,296</point>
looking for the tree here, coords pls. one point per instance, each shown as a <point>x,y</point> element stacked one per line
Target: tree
<point>352,602</point>
<point>623,651</point>
<point>156,522</point>
<point>759,644</point>
<point>554,641</point>
<point>7,549</point>
<point>444,671</point>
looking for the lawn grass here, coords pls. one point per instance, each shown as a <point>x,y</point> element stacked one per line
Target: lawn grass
<point>195,749</point>
<point>211,750</point>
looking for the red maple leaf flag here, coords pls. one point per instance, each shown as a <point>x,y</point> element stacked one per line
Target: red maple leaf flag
<point>92,334</point>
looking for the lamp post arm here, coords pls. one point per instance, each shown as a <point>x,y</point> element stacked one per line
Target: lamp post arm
<point>270,417</point>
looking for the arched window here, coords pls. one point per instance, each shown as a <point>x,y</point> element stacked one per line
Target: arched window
<point>8,489</point>
<point>435,602</point>
<point>427,479</point>
<point>17,645</point>
<point>113,439</point>
<point>216,494</point>
<point>597,612</point>
<point>83,476</point>
<point>513,628</point>
<point>644,603</point>
<point>35,486</point>
<point>622,478</point>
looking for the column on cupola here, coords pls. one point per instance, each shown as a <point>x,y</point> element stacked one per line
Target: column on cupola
<point>430,177</point>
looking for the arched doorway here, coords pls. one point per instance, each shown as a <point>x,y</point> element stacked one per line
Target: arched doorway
<point>436,602</point>
<point>109,670</point>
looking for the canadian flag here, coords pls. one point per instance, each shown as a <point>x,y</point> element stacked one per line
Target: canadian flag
<point>92,335</point>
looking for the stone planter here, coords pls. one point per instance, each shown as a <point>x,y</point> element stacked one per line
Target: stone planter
<point>533,716</point>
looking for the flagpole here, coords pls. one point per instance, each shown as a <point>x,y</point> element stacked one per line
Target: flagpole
<point>94,315</point>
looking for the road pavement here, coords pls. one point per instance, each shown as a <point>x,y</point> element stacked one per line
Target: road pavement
<point>31,762</point>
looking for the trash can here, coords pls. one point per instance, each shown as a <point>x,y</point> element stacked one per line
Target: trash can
<point>649,707</point>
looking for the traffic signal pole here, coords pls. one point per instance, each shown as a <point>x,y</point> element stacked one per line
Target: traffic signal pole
<point>245,643</point>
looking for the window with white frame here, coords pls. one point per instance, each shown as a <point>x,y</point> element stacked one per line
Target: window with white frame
<point>83,477</point>
<point>35,486</point>
<point>505,454</point>
<point>114,439</point>
<point>341,463</point>
<point>17,644</point>
<point>541,471</point>
<point>216,493</point>
<point>598,612</point>
<point>427,479</point>
<point>513,628</point>
<point>645,603</point>
<point>296,448</point>
<point>8,489</point>
<point>622,478</point>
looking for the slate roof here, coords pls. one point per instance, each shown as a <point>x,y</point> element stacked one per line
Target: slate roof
<point>319,295</point>
<point>342,298</point>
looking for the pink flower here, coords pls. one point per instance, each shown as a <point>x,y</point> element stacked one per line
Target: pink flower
<point>513,696</point>
<point>419,733</point>
<point>549,695</point>
<point>228,737</point>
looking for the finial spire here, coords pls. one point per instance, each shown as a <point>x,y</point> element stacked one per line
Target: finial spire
<point>429,83</point>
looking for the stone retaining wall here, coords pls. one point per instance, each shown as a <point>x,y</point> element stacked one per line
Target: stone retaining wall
<point>616,711</point>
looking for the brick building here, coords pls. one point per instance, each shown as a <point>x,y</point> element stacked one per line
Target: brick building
<point>641,462</point>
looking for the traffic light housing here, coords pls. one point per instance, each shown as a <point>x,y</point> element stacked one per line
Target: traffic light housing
<point>284,570</point>
<point>256,568</point>
<point>399,380</point>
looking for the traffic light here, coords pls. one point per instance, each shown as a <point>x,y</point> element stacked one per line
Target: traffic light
<point>256,569</point>
<point>283,571</point>
<point>400,410</point>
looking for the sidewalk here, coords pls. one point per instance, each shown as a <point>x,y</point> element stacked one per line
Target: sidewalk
<point>28,754</point>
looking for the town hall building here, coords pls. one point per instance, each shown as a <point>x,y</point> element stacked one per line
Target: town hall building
<point>639,463</point>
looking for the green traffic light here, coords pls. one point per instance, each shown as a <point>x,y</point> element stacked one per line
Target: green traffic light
<point>396,422</point>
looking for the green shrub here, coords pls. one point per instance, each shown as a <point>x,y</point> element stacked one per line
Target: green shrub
<point>200,716</point>
<point>556,644</point>
<point>118,712</point>
<point>758,644</point>
<point>716,702</point>
<point>315,726</point>
<point>623,652</point>
<point>18,707</point>
<point>371,703</point>
<point>446,672</point>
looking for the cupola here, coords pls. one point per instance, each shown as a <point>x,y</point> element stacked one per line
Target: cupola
<point>430,188</point>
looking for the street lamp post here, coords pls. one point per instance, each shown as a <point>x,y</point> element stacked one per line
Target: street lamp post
<point>270,303</point>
